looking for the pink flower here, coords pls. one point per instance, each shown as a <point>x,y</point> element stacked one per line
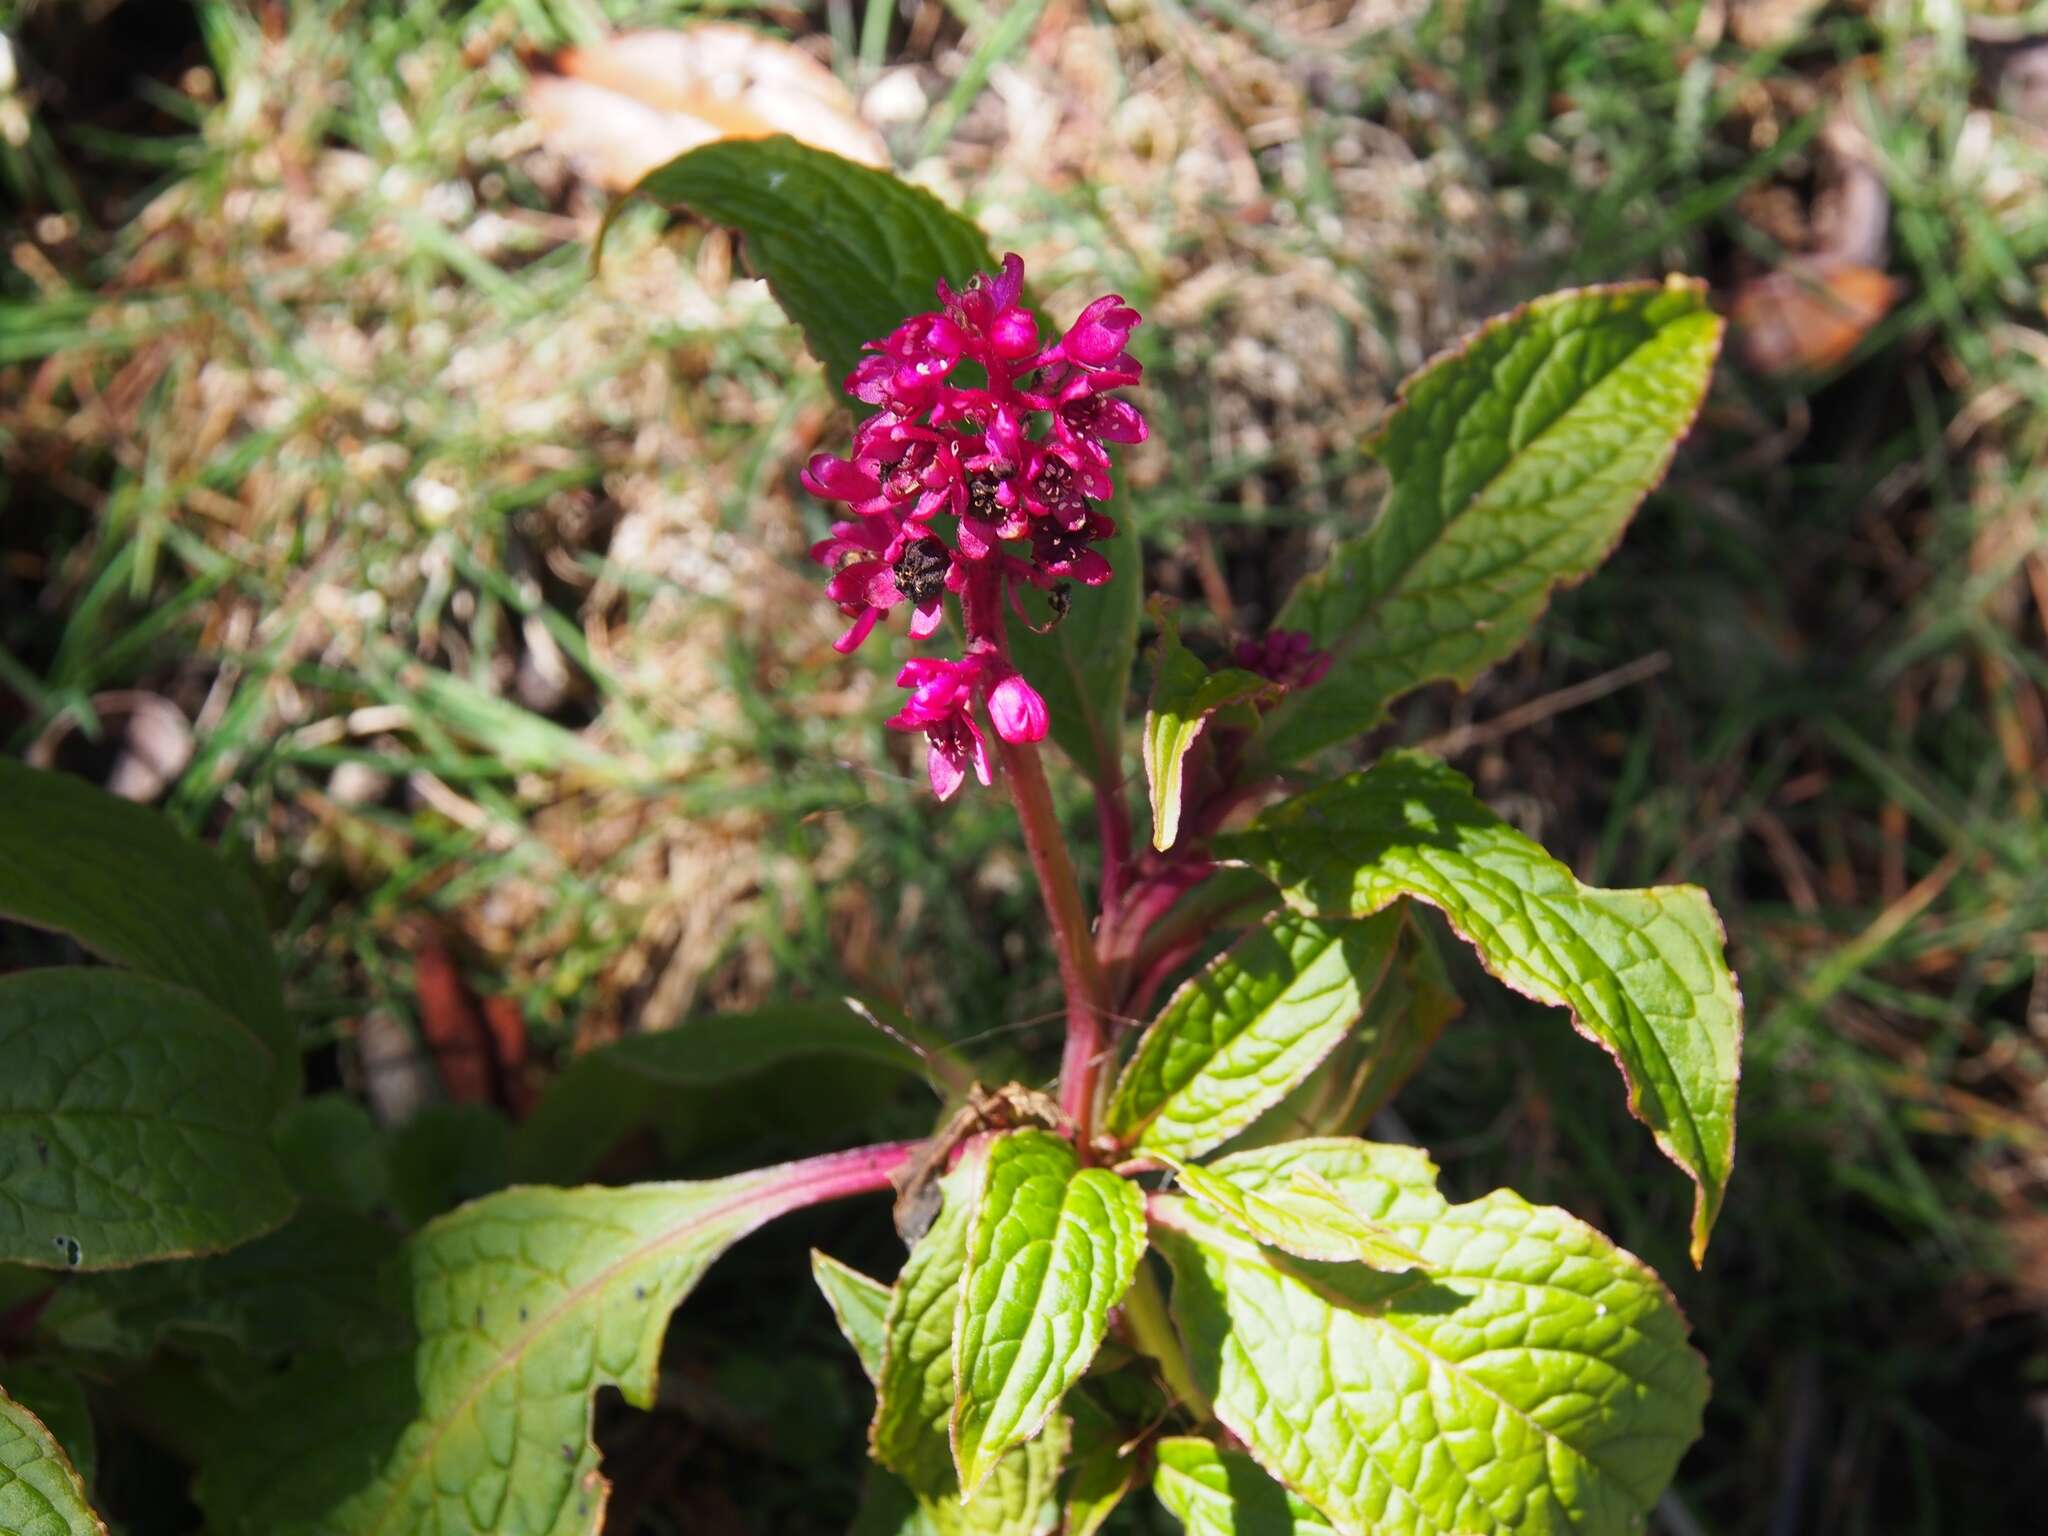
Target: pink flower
<point>989,322</point>
<point>940,705</point>
<point>1097,338</point>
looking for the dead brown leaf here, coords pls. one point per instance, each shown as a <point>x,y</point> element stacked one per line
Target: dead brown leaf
<point>618,109</point>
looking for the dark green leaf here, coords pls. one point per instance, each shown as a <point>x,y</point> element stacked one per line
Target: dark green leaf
<point>313,1281</point>
<point>1516,463</point>
<point>333,1152</point>
<point>849,252</point>
<point>691,1072</point>
<point>447,1154</point>
<point>136,1117</point>
<point>129,886</point>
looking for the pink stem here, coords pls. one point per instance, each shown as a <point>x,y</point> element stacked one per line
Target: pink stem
<point>1080,970</point>
<point>837,1175</point>
<point>1044,840</point>
<point>1113,822</point>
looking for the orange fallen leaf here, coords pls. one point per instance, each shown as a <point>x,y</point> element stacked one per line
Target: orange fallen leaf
<point>1808,316</point>
<point>619,108</point>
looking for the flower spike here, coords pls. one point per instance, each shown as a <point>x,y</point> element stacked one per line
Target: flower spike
<point>1018,464</point>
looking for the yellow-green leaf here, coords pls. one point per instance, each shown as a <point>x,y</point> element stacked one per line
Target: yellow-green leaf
<point>1535,1381</point>
<point>1244,1030</point>
<point>1641,971</point>
<point>1051,1248</point>
<point>40,1493</point>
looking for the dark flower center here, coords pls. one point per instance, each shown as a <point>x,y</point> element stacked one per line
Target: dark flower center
<point>920,571</point>
<point>981,495</point>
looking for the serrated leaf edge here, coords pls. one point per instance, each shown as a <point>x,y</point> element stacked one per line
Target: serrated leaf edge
<point>1029,1429</point>
<point>1716,326</point>
<point>1162,1212</point>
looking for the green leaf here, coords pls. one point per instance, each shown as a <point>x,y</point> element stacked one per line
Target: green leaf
<point>40,1494</point>
<point>1184,695</point>
<point>1306,1216</point>
<point>859,1305</point>
<point>914,1392</point>
<point>125,883</point>
<point>1020,1496</point>
<point>312,1280</point>
<point>1083,664</point>
<point>1536,1381</point>
<point>445,1155</point>
<point>1402,1021</point>
<point>1052,1247</point>
<point>138,1115</point>
<point>1642,971</point>
<point>1244,1030</point>
<point>1101,1467</point>
<point>1516,462</point>
<point>1215,1492</point>
<point>524,1304</point>
<point>333,1152</point>
<point>53,1395</point>
<point>604,1095</point>
<point>286,1460</point>
<point>849,252</point>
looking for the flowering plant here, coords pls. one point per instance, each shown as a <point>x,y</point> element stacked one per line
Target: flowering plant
<point>1188,1267</point>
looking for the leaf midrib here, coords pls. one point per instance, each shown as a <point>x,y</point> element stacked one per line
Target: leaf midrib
<point>546,1321</point>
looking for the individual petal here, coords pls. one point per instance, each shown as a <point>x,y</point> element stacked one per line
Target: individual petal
<point>863,624</point>
<point>1090,569</point>
<point>946,771</point>
<point>835,479</point>
<point>1117,420</point>
<point>865,582</point>
<point>1007,286</point>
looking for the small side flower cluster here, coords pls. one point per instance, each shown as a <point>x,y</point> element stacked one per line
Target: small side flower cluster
<point>1011,465</point>
<point>1285,656</point>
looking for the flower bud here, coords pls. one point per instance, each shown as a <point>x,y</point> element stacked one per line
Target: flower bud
<point>1017,710</point>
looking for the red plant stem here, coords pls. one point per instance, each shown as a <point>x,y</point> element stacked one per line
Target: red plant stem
<point>1169,960</point>
<point>837,1175</point>
<point>1080,970</point>
<point>1073,940</point>
<point>1113,823</point>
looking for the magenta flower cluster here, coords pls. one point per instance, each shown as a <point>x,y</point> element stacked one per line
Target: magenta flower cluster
<point>976,486</point>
